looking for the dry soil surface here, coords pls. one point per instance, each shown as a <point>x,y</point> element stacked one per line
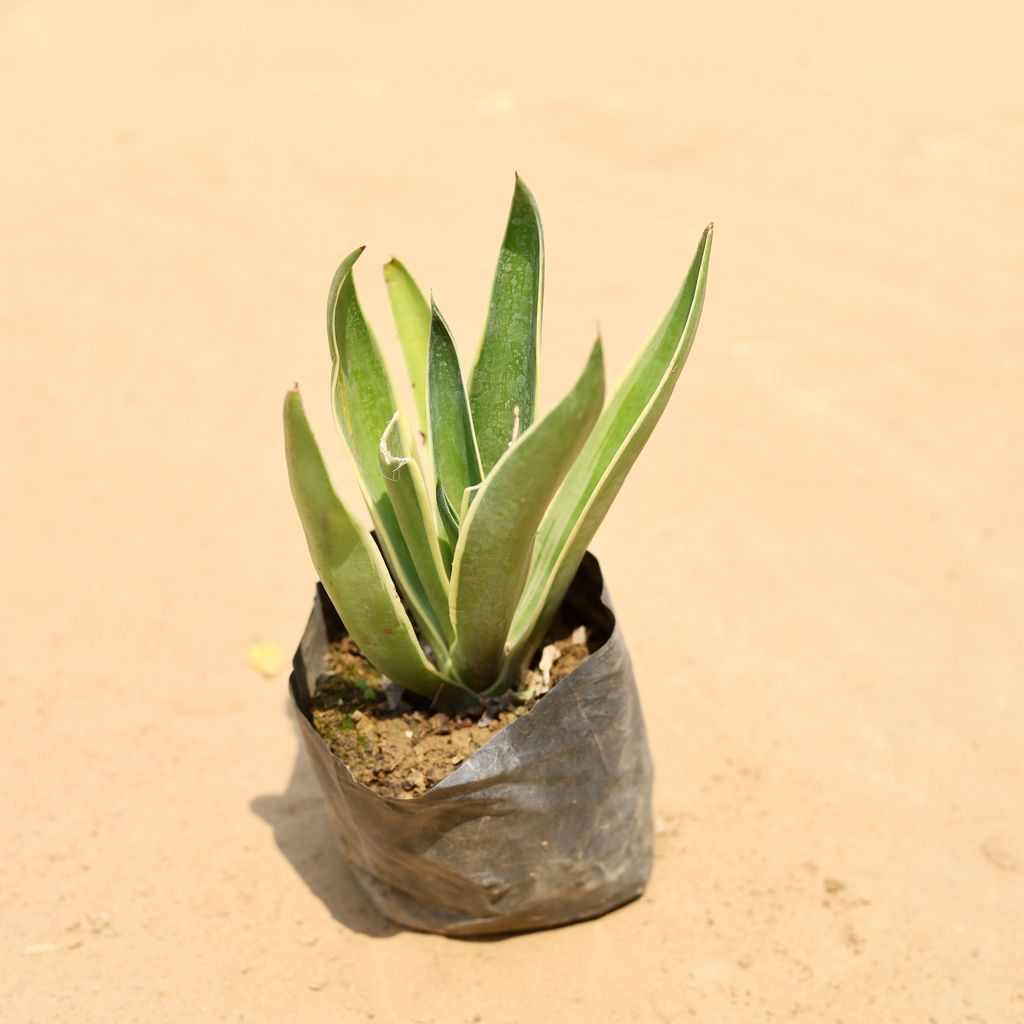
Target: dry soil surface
<point>818,562</point>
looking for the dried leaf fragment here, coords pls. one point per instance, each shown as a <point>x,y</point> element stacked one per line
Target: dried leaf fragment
<point>266,657</point>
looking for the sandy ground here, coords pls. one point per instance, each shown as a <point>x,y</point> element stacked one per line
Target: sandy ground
<point>818,561</point>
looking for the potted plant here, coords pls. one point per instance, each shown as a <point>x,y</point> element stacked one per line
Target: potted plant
<point>462,687</point>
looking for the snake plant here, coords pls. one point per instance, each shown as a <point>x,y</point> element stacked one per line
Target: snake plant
<point>481,527</point>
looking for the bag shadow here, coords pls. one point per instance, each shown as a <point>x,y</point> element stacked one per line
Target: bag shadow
<point>303,833</point>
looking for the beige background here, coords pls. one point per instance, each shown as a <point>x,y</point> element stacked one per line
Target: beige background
<point>818,560</point>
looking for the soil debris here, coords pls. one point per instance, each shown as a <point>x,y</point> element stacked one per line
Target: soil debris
<point>395,743</point>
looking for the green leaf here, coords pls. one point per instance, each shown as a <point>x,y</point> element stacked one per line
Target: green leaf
<point>350,565</point>
<point>610,451</point>
<point>452,441</point>
<point>364,403</point>
<point>449,525</point>
<point>496,537</point>
<point>504,377</point>
<point>412,318</point>
<point>413,508</point>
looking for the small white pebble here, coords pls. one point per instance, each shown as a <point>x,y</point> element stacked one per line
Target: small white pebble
<point>316,984</point>
<point>408,734</point>
<point>548,657</point>
<point>40,947</point>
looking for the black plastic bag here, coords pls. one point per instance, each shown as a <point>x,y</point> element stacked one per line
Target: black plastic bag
<point>549,822</point>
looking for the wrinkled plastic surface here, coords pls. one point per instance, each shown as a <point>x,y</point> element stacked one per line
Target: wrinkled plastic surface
<point>550,822</point>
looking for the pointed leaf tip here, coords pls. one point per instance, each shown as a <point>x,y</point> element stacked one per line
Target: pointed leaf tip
<point>504,375</point>
<point>412,319</point>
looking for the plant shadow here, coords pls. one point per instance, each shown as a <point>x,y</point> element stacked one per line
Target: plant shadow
<point>304,835</point>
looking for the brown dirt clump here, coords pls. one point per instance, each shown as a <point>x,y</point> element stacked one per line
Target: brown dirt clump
<point>394,742</point>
